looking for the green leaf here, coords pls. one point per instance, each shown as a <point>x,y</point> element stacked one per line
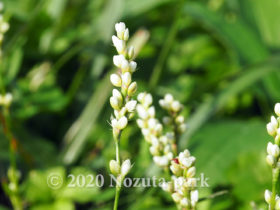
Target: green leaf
<point>235,33</point>
<point>218,146</point>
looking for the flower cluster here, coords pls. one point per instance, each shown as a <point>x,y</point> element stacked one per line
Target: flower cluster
<point>183,184</point>
<point>173,107</point>
<point>272,158</point>
<point>6,100</point>
<point>152,130</point>
<point>121,101</point>
<point>4,26</point>
<point>268,198</point>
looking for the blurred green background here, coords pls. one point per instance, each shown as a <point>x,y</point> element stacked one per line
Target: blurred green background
<point>220,58</point>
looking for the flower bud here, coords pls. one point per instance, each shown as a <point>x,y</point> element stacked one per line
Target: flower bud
<point>125,66</point>
<point>274,122</point>
<point>270,129</point>
<point>131,105</point>
<point>126,34</point>
<point>176,197</point>
<point>167,186</point>
<point>140,123</point>
<point>182,128</point>
<point>273,149</point>
<point>132,89</point>
<point>277,109</point>
<point>148,100</point>
<point>168,98</point>
<point>141,97</point>
<point>142,112</point>
<point>119,44</point>
<point>267,196</point>
<point>126,166</point>
<point>176,106</point>
<point>118,60</point>
<point>271,161</point>
<point>194,196</point>
<point>122,123</point>
<point>115,103</point>
<point>120,29</point>
<point>117,94</point>
<point>191,172</point>
<point>126,78</point>
<point>151,111</point>
<point>116,80</point>
<point>184,202</point>
<point>175,168</point>
<point>115,167</point>
<point>180,119</point>
<point>7,99</point>
<point>130,52</point>
<point>132,66</point>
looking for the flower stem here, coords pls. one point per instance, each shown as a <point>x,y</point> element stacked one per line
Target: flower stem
<point>275,176</point>
<point>117,196</point>
<point>12,174</point>
<point>119,182</point>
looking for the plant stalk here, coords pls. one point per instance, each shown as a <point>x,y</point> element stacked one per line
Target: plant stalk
<point>275,176</point>
<point>119,181</point>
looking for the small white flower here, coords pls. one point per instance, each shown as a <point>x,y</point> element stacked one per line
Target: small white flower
<point>152,123</point>
<point>7,100</point>
<point>194,196</point>
<point>4,27</point>
<point>182,128</point>
<point>122,123</point>
<point>119,44</point>
<point>270,160</point>
<point>130,52</point>
<point>126,34</point>
<point>120,28</point>
<point>180,119</point>
<point>168,98</point>
<point>267,196</point>
<point>191,172</point>
<point>118,60</point>
<point>158,128</point>
<point>188,162</point>
<point>152,111</point>
<point>117,94</point>
<point>131,105</point>
<point>125,65</point>
<point>148,100</point>
<point>140,123</point>
<point>270,129</point>
<point>184,202</point>
<point>274,122</point>
<point>126,166</point>
<point>115,103</point>
<point>176,197</point>
<point>126,78</point>
<point>161,160</point>
<point>132,89</point>
<point>132,66</point>
<point>114,167</point>
<point>114,122</point>
<point>176,106</point>
<point>273,149</point>
<point>277,109</point>
<point>142,111</point>
<point>116,80</point>
<point>141,97</point>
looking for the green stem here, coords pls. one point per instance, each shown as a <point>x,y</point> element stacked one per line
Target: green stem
<point>12,174</point>
<point>275,176</point>
<point>117,196</point>
<point>119,181</point>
